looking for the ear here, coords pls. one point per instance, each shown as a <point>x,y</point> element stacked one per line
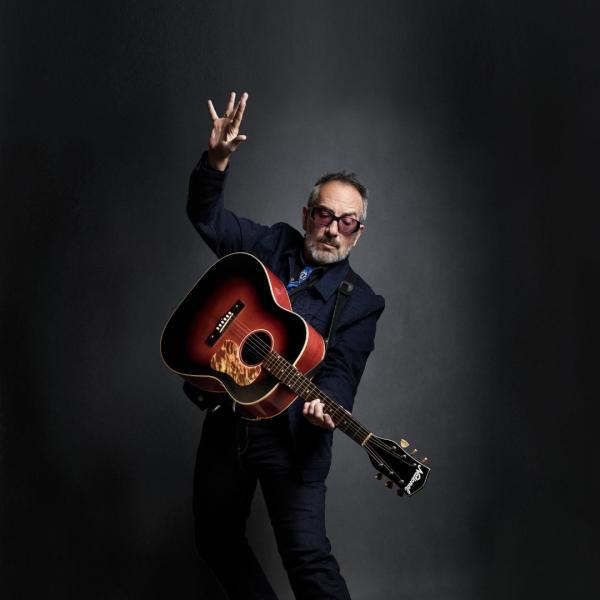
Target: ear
<point>304,217</point>
<point>358,234</point>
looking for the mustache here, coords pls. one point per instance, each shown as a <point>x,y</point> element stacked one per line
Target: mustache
<point>329,240</point>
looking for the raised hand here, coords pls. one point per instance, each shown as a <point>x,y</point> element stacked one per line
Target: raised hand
<point>225,135</point>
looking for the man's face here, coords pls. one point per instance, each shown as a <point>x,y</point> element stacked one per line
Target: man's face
<point>325,244</point>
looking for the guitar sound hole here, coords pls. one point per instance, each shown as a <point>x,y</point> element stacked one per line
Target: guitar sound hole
<point>256,347</point>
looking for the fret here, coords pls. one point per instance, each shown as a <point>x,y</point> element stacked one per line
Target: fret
<point>291,377</point>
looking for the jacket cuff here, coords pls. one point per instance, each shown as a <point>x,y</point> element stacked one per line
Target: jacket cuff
<point>207,171</point>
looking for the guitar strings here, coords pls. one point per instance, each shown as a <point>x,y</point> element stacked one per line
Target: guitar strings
<point>263,349</point>
<point>239,328</point>
<point>336,411</point>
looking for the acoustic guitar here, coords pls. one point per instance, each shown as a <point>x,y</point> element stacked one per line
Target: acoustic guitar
<point>235,332</point>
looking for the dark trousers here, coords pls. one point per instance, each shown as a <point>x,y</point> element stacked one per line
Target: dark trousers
<point>233,456</point>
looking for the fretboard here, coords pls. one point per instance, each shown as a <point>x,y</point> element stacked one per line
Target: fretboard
<point>292,378</point>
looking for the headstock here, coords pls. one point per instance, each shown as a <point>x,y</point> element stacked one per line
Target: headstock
<point>398,466</point>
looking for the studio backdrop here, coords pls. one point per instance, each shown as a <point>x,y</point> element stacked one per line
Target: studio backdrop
<point>474,126</point>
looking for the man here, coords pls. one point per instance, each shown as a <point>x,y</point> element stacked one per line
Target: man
<point>289,455</point>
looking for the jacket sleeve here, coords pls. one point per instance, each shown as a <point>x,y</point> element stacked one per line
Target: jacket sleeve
<point>347,354</point>
<point>223,231</point>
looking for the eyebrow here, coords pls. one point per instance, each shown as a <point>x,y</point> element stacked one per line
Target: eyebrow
<point>348,214</point>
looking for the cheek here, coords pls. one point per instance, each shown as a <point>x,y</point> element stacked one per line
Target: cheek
<point>305,224</point>
<point>312,230</point>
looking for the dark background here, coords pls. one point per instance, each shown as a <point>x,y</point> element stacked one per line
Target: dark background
<point>474,125</point>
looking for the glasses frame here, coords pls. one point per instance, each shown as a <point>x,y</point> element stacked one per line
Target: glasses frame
<point>333,217</point>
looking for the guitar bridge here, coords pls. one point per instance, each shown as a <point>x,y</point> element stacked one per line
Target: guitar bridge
<point>224,322</point>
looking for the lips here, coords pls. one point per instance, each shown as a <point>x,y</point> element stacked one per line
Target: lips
<point>328,244</point>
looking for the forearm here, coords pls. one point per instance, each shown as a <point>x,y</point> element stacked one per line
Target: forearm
<point>222,230</point>
<point>205,197</point>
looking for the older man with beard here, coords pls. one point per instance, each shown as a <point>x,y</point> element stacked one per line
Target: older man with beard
<point>290,455</point>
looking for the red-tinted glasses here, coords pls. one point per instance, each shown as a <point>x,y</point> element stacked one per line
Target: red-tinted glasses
<point>323,217</point>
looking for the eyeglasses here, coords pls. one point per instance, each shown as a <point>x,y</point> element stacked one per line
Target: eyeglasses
<point>323,217</point>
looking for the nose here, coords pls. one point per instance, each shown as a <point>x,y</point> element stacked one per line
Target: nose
<point>332,228</point>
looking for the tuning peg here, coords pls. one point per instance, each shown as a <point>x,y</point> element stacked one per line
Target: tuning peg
<point>424,460</point>
<point>389,484</point>
<point>414,451</point>
<point>400,492</point>
<point>404,444</point>
<point>378,476</point>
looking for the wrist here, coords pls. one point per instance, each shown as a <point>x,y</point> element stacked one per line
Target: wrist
<point>217,163</point>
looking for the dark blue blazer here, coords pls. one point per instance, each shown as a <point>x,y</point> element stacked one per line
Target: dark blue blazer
<point>279,247</point>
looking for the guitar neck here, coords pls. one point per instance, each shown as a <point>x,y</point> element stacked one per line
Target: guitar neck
<point>292,378</point>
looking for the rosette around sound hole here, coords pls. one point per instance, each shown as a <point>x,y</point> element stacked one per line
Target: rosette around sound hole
<point>256,347</point>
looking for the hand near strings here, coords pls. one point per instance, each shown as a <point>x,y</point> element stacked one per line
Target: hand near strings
<point>225,135</point>
<point>313,411</point>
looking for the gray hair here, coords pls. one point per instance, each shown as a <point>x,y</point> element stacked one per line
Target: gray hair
<point>344,177</point>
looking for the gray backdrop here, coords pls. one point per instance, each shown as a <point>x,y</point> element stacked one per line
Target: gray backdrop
<point>474,124</point>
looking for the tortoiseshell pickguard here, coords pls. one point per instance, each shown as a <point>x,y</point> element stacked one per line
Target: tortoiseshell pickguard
<point>227,360</point>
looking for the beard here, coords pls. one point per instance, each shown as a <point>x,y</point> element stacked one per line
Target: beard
<point>321,256</point>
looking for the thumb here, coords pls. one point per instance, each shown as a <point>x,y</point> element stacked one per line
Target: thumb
<point>237,141</point>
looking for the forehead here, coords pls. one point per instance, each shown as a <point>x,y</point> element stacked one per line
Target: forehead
<point>340,197</point>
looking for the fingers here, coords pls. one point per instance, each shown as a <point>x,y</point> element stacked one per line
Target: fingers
<point>235,115</point>
<point>237,141</point>
<point>313,411</point>
<point>211,109</point>
<point>329,421</point>
<point>230,103</point>
<point>239,111</point>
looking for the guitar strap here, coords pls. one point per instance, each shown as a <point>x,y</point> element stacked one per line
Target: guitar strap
<point>343,294</point>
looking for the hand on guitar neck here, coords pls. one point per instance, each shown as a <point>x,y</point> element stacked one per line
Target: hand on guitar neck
<point>313,411</point>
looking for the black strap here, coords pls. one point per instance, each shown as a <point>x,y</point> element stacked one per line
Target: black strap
<point>343,294</point>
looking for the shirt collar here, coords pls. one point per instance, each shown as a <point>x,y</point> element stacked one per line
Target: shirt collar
<point>330,280</point>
